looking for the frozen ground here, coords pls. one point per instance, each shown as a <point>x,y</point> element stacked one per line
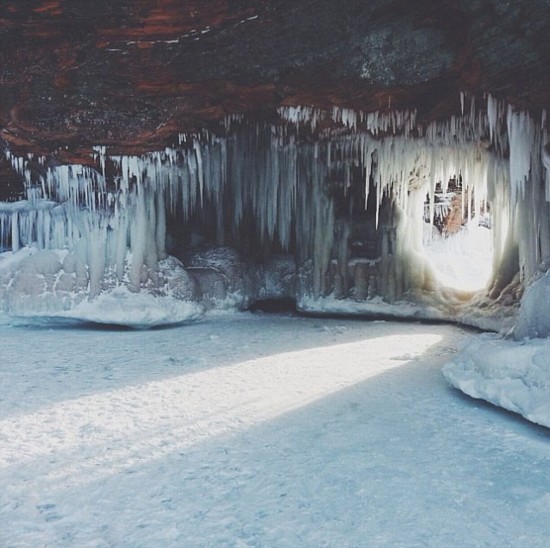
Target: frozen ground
<point>259,431</point>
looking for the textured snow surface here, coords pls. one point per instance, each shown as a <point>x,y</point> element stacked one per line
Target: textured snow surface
<point>513,375</point>
<point>258,431</point>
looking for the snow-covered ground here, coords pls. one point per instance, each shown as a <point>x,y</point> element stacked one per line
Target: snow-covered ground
<point>254,430</point>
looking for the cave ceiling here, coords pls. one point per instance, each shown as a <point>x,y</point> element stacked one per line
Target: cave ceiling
<point>134,74</point>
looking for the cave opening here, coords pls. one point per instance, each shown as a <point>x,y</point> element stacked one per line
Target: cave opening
<point>457,236</point>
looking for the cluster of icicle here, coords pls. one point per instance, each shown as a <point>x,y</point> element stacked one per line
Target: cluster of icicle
<point>289,187</point>
<point>394,122</point>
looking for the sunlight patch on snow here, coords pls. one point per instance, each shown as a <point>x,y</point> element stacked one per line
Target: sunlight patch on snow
<point>101,434</point>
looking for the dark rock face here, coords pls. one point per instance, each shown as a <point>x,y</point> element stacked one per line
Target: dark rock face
<point>133,75</point>
<point>398,54</point>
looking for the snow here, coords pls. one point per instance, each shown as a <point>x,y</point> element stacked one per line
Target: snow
<point>258,431</point>
<point>463,260</point>
<point>513,375</point>
<point>376,308</point>
<point>142,310</point>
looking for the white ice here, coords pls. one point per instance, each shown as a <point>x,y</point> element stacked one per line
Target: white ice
<point>258,431</point>
<point>513,375</point>
<point>41,285</point>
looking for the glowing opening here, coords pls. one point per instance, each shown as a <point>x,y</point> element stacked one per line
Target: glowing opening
<point>458,240</point>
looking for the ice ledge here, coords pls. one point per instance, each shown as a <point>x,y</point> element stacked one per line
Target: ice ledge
<point>373,308</point>
<point>428,306</point>
<point>118,307</point>
<point>509,374</point>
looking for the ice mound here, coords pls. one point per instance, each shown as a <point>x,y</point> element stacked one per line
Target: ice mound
<point>534,314</point>
<point>139,310</point>
<point>37,284</point>
<point>506,373</point>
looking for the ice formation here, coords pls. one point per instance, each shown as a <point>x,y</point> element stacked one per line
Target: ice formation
<point>339,193</point>
<point>505,373</point>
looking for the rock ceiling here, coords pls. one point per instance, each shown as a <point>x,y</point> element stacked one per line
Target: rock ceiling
<point>134,74</point>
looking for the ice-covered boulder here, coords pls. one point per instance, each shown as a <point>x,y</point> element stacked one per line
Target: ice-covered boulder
<point>180,283</point>
<point>212,283</point>
<point>276,278</point>
<point>225,260</point>
<point>56,284</point>
<point>534,314</point>
<point>221,273</point>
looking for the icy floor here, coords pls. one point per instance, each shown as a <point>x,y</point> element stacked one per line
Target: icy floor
<point>259,431</point>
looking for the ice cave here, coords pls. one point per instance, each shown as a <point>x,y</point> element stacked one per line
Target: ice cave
<point>340,210</point>
<point>164,164</point>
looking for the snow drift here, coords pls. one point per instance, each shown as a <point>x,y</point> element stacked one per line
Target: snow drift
<point>509,374</point>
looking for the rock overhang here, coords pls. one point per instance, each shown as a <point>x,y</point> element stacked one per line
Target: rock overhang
<point>134,76</point>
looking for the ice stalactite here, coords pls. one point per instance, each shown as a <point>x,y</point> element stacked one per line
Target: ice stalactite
<point>341,191</point>
<point>546,152</point>
<point>528,208</point>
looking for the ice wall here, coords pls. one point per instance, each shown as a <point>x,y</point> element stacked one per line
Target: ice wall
<point>342,191</point>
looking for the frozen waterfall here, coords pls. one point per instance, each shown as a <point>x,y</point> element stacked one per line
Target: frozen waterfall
<point>336,197</point>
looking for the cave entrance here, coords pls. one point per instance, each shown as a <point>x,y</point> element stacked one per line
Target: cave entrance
<point>457,236</point>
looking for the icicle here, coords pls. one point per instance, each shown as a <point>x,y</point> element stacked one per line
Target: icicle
<point>492,115</point>
<point>197,150</point>
<point>521,135</point>
<point>301,115</point>
<point>287,188</point>
<point>100,152</point>
<point>545,153</point>
<point>15,232</point>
